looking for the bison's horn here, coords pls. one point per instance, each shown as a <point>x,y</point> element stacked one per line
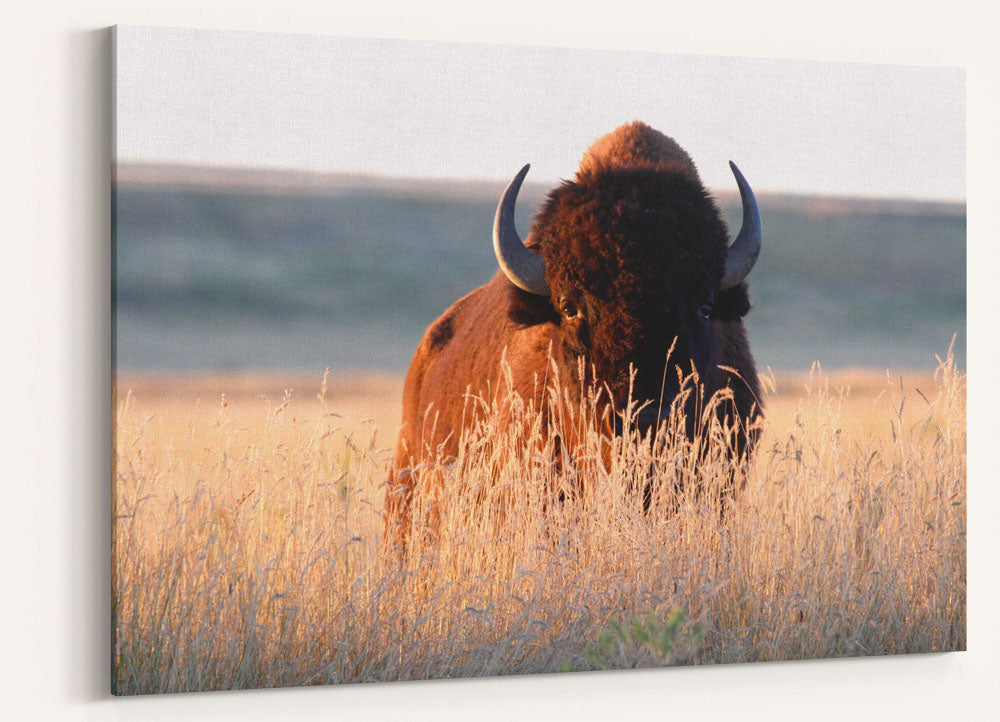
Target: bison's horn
<point>525,269</point>
<point>743,253</point>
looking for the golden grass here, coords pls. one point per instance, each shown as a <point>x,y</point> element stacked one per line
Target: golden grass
<point>248,546</point>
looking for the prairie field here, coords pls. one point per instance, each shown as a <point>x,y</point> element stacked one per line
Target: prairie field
<point>249,550</point>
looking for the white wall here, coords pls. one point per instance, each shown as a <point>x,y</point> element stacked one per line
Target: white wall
<point>54,633</point>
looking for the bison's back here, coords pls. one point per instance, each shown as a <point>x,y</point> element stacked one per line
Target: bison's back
<point>469,353</point>
<point>460,357</point>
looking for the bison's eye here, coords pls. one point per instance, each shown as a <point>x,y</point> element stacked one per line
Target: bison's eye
<point>705,311</point>
<point>569,309</point>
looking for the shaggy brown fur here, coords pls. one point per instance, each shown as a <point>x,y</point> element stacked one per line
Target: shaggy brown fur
<point>634,249</point>
<point>636,145</point>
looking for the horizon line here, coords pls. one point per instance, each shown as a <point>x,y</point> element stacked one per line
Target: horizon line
<point>231,176</point>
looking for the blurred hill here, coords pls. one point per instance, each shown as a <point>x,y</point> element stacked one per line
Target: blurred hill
<point>229,268</point>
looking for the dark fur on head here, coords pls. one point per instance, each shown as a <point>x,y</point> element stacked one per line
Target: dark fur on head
<point>638,250</point>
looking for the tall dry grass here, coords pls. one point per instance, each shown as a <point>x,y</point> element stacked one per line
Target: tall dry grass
<point>248,546</point>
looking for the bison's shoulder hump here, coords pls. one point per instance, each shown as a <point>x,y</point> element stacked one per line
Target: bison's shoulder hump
<point>632,146</point>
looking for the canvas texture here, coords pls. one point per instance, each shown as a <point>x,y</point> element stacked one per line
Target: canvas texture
<point>388,407</point>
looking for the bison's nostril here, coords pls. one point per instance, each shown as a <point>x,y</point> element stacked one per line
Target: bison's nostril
<point>649,418</point>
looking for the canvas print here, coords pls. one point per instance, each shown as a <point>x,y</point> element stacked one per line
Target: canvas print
<point>451,360</point>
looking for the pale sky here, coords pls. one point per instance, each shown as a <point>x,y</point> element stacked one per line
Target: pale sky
<point>407,108</point>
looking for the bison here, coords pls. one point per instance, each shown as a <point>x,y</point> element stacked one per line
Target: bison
<point>627,267</point>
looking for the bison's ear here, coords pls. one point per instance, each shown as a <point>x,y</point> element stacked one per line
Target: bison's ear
<point>732,304</point>
<point>529,309</point>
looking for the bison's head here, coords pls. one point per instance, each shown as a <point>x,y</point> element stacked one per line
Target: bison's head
<point>631,261</point>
